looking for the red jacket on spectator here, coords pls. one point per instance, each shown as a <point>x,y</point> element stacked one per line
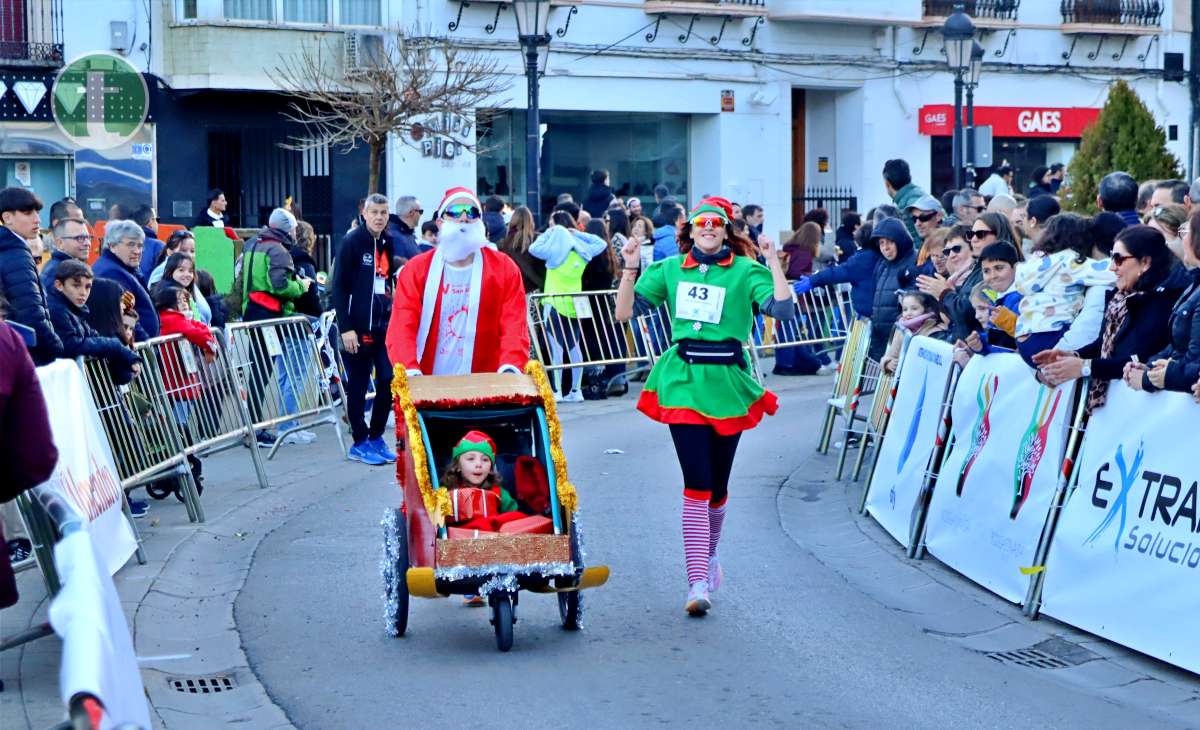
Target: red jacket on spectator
<point>181,378</point>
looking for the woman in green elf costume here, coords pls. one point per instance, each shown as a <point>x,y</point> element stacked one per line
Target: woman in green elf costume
<point>702,386</point>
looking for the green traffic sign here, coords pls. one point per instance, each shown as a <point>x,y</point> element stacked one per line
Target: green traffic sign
<point>100,101</point>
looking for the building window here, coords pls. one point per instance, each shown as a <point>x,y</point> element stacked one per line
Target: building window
<point>187,9</point>
<point>250,9</point>
<point>306,11</point>
<point>638,150</point>
<point>360,12</point>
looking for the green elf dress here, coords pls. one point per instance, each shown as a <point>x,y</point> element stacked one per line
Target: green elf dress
<point>710,303</point>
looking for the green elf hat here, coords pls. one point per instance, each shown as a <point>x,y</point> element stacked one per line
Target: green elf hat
<point>475,441</point>
<point>719,207</point>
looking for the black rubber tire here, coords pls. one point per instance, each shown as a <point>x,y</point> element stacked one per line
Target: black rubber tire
<point>396,581</point>
<point>568,610</point>
<point>156,490</point>
<point>502,620</point>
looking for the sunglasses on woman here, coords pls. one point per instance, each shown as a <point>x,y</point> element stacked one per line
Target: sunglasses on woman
<point>1120,258</point>
<point>708,221</point>
<point>978,235</point>
<point>951,250</point>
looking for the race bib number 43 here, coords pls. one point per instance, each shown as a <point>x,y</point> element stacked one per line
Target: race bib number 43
<point>699,302</point>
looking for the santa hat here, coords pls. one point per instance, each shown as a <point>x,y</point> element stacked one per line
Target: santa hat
<point>475,441</point>
<point>458,195</point>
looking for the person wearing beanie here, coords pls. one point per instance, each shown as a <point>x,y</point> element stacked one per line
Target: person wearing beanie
<point>702,386</point>
<point>460,308</point>
<point>363,284</point>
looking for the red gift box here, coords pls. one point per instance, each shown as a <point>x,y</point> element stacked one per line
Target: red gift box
<point>532,525</point>
<point>462,533</point>
<point>471,502</point>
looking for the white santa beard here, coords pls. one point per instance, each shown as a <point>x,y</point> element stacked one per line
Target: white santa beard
<point>458,240</point>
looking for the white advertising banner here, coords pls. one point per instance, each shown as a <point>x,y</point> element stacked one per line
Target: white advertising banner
<point>97,652</point>
<point>911,435</point>
<point>998,478</point>
<point>1125,560</point>
<point>86,475</point>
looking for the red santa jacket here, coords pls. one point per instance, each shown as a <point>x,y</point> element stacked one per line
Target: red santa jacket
<point>501,332</point>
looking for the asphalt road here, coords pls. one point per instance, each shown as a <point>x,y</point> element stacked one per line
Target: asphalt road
<point>790,641</point>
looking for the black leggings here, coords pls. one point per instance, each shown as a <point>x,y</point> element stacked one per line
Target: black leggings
<point>706,458</point>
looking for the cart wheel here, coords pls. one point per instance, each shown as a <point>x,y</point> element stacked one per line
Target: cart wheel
<point>178,490</point>
<point>502,619</point>
<point>395,572</point>
<point>568,610</point>
<point>158,491</point>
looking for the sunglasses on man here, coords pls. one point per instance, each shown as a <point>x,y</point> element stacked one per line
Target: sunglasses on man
<point>951,250</point>
<point>458,211</point>
<point>976,208</point>
<point>925,217</point>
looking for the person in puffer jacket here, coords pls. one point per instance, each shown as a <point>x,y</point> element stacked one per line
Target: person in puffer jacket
<point>895,272</point>
<point>180,377</point>
<point>858,271</point>
<point>68,309</point>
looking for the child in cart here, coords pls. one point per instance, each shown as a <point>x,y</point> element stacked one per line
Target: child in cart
<point>482,507</point>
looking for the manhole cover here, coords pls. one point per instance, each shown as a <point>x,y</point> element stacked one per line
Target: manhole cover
<point>202,685</point>
<point>1052,653</point>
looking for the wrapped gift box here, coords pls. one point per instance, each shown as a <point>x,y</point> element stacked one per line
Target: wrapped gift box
<point>532,525</point>
<point>470,502</point>
<point>462,533</point>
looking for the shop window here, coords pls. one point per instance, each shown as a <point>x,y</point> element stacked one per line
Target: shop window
<point>638,150</point>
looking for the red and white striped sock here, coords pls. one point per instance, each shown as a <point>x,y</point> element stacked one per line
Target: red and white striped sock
<point>716,518</point>
<point>695,538</point>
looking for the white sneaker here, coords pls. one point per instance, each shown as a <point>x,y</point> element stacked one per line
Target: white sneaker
<point>575,396</point>
<point>697,600</point>
<point>300,437</point>
<point>715,574</point>
<point>827,370</point>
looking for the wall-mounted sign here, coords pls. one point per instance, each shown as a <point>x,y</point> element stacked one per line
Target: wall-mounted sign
<point>822,164</point>
<point>444,137</point>
<point>937,120</point>
<point>726,100</point>
<point>100,101</point>
<point>23,172</point>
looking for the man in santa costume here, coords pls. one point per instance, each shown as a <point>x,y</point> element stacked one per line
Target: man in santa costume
<point>460,308</point>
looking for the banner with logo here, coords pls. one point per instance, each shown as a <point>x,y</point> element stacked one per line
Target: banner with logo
<point>86,475</point>
<point>1125,560</point>
<point>910,437</point>
<point>998,478</point>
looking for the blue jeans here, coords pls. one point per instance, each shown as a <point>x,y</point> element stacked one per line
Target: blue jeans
<point>295,373</point>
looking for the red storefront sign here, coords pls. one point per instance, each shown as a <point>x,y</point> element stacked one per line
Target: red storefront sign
<point>937,120</point>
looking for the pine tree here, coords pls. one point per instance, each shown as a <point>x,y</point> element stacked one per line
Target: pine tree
<point>1124,137</point>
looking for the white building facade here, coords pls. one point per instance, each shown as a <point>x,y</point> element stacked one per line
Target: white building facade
<point>785,102</point>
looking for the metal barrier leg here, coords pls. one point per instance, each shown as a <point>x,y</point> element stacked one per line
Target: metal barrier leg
<point>137,535</point>
<point>862,456</point>
<point>827,430</point>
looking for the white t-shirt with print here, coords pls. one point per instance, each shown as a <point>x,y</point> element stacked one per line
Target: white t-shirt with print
<point>452,322</point>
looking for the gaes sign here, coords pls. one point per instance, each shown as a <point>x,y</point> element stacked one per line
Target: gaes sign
<point>937,120</point>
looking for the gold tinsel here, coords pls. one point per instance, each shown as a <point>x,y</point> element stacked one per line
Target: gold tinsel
<point>566,491</point>
<point>437,502</point>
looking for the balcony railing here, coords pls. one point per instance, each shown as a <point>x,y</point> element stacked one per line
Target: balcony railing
<point>993,9</point>
<point>1112,12</point>
<point>31,31</point>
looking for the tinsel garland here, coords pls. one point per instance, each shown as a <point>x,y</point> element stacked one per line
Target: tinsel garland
<point>437,503</point>
<point>566,491</point>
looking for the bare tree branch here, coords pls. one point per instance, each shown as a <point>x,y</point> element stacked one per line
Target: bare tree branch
<point>414,82</point>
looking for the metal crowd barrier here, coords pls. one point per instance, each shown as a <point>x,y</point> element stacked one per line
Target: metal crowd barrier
<point>846,386</point>
<point>47,516</point>
<point>823,317</point>
<point>277,362</point>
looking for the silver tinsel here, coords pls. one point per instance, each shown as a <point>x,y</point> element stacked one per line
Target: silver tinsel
<point>578,527</point>
<point>387,568</point>
<point>461,572</point>
<point>499,584</point>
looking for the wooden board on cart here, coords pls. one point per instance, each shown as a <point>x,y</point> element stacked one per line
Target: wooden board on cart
<point>477,387</point>
<point>504,550</point>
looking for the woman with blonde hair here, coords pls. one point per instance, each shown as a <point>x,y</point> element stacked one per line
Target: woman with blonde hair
<point>1167,220</point>
<point>521,233</point>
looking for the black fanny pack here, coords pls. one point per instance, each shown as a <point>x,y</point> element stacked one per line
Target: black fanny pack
<point>702,352</point>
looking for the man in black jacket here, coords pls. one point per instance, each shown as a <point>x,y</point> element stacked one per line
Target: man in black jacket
<point>362,297</point>
<point>19,276</point>
<point>71,243</point>
<point>402,226</point>
<point>493,218</point>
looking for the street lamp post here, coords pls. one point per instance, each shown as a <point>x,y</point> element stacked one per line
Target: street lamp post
<point>959,33</point>
<point>533,17</point>
<point>976,68</point>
